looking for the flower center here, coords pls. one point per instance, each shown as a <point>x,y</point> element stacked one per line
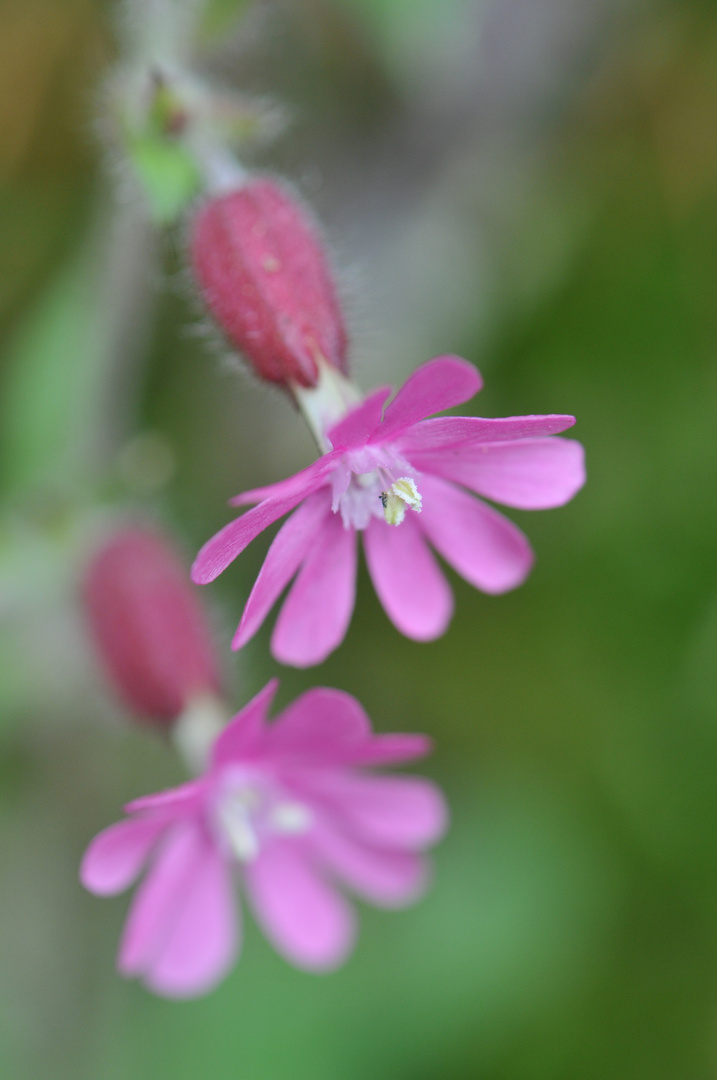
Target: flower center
<point>369,484</point>
<point>250,811</point>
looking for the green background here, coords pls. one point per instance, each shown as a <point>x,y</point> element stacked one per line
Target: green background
<point>538,194</point>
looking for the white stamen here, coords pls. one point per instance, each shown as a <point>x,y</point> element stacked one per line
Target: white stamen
<point>405,488</point>
<point>248,815</point>
<point>401,494</point>
<point>235,819</point>
<point>291,818</point>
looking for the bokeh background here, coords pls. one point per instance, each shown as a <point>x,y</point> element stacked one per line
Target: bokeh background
<point>531,184</point>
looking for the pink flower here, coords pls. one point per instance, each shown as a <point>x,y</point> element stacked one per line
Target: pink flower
<point>399,479</point>
<point>265,278</point>
<point>288,806</point>
<point>148,625</point>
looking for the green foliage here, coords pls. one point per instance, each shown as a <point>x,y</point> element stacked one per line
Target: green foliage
<point>168,173</point>
<point>52,362</point>
<point>220,15</point>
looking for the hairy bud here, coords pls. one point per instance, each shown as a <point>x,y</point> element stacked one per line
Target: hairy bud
<point>265,279</point>
<point>148,626</point>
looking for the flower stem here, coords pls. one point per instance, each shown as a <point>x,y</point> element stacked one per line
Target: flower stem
<point>325,404</point>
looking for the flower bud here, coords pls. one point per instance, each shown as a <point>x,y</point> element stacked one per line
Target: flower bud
<point>264,277</point>
<point>148,626</point>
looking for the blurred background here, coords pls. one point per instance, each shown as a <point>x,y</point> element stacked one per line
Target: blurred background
<point>531,184</point>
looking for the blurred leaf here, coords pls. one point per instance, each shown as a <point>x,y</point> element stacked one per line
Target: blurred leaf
<point>169,176</point>
<point>50,364</point>
<point>219,16</point>
<point>38,216</point>
<point>702,664</point>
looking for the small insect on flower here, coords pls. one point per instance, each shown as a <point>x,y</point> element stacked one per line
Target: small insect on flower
<point>405,483</point>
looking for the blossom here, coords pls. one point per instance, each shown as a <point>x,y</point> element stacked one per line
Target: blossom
<point>264,276</point>
<point>400,480</point>
<point>148,626</point>
<point>290,809</point>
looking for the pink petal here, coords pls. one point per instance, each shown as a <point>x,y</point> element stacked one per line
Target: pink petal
<point>479,543</point>
<point>317,611</point>
<point>321,724</point>
<point>355,428</point>
<point>390,750</point>
<point>455,431</point>
<point>532,474</point>
<point>399,812</point>
<point>304,917</point>
<point>289,548</point>
<point>159,898</point>
<point>387,878</point>
<point>115,857</point>
<point>202,940</point>
<point>414,593</point>
<point>440,384</point>
<point>340,482</point>
<point>247,730</point>
<point>330,727</point>
<point>230,541</point>
<point>180,934</point>
<point>172,803</point>
<point>300,484</point>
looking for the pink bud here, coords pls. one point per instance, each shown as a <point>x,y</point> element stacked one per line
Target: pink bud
<point>148,626</point>
<point>265,278</point>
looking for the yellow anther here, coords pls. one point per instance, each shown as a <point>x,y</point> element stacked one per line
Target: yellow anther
<point>401,495</point>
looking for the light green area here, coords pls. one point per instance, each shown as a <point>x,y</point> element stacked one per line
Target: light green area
<point>221,16</point>
<point>52,363</point>
<point>168,173</point>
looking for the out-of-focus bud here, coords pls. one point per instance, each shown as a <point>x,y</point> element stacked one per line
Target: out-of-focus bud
<point>265,279</point>
<point>148,626</point>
